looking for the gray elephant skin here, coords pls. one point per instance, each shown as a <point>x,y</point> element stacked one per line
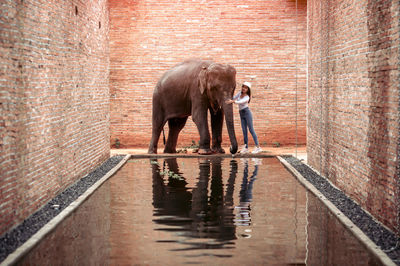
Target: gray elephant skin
<point>195,88</point>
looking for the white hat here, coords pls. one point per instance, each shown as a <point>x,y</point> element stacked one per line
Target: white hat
<point>248,84</point>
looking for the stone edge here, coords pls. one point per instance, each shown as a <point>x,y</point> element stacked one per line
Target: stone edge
<point>195,155</point>
<point>359,234</point>
<point>47,228</point>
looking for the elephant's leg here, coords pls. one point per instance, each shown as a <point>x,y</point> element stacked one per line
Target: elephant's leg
<point>172,181</point>
<point>175,126</point>
<point>200,191</point>
<point>200,119</point>
<point>216,129</point>
<point>158,124</point>
<point>159,190</point>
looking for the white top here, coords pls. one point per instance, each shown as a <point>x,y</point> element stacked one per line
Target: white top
<point>242,102</point>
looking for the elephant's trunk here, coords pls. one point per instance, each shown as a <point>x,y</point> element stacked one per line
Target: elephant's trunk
<point>228,111</point>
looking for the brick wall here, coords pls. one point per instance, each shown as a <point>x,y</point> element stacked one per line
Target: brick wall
<point>54,99</point>
<point>353,100</point>
<point>257,37</point>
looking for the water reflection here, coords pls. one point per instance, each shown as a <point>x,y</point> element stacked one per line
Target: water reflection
<point>243,216</point>
<point>204,211</point>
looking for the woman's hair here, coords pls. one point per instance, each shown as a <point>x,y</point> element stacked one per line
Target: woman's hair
<point>248,92</point>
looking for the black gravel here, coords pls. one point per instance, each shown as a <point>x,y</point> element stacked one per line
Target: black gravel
<point>14,238</point>
<point>382,237</point>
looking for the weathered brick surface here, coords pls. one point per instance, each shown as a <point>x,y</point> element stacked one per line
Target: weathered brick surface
<point>54,99</point>
<point>353,99</point>
<point>257,37</point>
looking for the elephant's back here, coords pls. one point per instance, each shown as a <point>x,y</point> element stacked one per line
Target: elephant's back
<point>181,77</point>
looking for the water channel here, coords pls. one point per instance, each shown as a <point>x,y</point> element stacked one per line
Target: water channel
<point>205,211</point>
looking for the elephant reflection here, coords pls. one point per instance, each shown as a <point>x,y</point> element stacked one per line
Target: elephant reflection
<point>173,198</point>
<point>198,215</point>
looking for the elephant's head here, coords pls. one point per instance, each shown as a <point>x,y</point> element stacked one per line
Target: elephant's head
<point>218,81</point>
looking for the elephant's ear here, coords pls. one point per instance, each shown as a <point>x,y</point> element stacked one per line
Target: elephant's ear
<point>203,79</point>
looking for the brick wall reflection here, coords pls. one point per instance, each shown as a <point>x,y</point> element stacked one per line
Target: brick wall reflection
<point>81,239</point>
<point>278,215</point>
<point>329,242</point>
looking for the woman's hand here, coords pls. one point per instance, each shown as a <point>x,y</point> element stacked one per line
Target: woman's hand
<point>229,101</point>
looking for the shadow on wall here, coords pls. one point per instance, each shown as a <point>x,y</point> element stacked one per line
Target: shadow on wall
<point>379,23</point>
<point>299,2</point>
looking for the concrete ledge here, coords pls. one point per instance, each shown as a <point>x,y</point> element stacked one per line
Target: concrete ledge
<point>268,151</point>
<point>195,155</point>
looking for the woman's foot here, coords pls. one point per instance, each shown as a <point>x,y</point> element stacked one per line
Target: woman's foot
<point>244,149</point>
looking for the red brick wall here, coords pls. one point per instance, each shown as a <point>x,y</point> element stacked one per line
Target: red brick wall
<point>353,99</point>
<point>257,37</point>
<point>54,99</point>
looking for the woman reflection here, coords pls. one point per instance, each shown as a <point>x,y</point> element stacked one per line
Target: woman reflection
<point>246,194</point>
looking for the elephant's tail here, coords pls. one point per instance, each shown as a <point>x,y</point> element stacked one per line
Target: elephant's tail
<point>163,134</point>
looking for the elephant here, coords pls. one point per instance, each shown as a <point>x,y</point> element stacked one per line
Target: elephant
<point>192,88</point>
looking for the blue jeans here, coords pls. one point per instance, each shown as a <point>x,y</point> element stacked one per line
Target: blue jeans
<point>246,120</point>
<point>246,189</point>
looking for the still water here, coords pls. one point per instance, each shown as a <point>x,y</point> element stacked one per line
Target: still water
<point>207,211</point>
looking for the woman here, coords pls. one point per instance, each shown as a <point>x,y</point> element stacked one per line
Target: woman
<point>246,117</point>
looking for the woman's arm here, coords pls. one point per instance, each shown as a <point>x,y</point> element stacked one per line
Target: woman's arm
<point>233,99</point>
<point>236,96</point>
<point>245,99</point>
